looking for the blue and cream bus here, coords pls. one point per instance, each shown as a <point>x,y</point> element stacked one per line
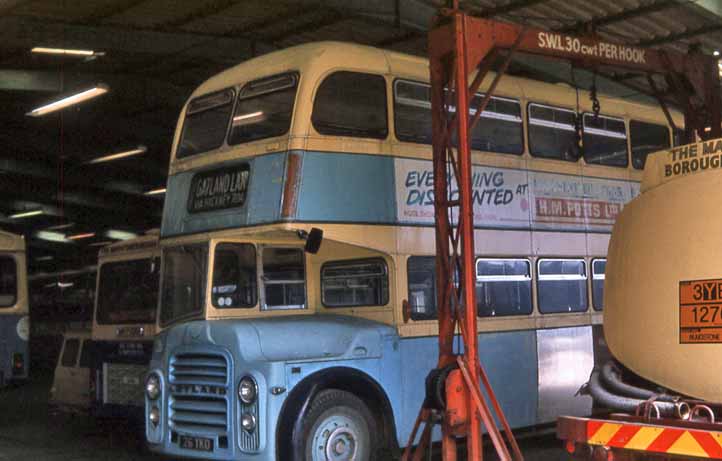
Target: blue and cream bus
<point>14,314</point>
<point>273,348</point>
<point>126,302</point>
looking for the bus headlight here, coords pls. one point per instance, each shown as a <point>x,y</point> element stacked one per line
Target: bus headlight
<point>152,386</point>
<point>248,422</point>
<point>154,416</point>
<point>247,390</point>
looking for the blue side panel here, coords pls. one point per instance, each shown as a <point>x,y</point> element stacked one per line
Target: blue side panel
<point>347,187</point>
<point>510,359</point>
<point>262,203</point>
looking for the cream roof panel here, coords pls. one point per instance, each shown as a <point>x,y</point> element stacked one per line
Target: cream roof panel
<point>11,242</point>
<point>321,56</point>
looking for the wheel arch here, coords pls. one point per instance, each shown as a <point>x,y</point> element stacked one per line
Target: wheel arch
<point>342,378</point>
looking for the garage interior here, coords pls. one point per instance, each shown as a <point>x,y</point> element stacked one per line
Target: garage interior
<point>74,181</point>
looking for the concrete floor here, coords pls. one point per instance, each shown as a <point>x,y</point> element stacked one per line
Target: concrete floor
<point>28,433</point>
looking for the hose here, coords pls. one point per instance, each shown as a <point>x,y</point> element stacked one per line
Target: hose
<point>621,403</point>
<point>616,385</point>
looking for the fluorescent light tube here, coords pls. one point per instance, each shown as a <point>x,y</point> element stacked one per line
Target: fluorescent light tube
<point>62,51</point>
<point>107,158</point>
<point>26,214</point>
<point>156,191</point>
<point>81,236</point>
<point>52,236</point>
<point>61,226</point>
<point>71,100</point>
<point>120,235</point>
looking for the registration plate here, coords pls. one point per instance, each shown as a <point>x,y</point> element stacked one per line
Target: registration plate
<point>196,443</point>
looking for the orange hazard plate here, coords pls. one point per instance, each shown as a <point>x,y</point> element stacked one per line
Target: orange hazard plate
<point>700,311</point>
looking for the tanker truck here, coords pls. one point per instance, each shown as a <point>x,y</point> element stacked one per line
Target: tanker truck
<point>659,396</point>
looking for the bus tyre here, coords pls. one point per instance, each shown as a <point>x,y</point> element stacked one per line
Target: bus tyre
<point>338,426</point>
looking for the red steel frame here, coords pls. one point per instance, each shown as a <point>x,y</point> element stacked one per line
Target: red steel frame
<point>459,47</point>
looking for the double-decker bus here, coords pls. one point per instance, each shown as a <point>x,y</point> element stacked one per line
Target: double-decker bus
<point>14,319</point>
<point>126,301</point>
<point>272,347</point>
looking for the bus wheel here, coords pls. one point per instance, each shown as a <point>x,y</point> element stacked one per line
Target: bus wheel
<point>338,426</point>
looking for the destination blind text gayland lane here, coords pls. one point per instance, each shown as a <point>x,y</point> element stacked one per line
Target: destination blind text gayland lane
<point>219,190</point>
<point>694,157</point>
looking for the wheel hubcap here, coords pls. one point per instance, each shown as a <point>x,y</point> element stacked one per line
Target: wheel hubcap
<point>336,439</point>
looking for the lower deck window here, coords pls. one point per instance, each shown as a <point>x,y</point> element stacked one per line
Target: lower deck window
<point>234,276</point>
<point>562,285</point>
<point>8,281</point>
<point>355,283</point>
<point>284,278</point>
<point>503,287</point>
<point>70,353</point>
<point>599,266</point>
<point>422,287</point>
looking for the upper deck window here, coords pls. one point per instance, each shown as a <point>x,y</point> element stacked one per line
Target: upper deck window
<point>498,130</point>
<point>8,281</point>
<point>355,283</point>
<point>184,282</point>
<point>605,141</point>
<point>645,139</point>
<point>128,291</point>
<point>552,133</point>
<point>264,109</point>
<point>284,278</point>
<point>351,104</point>
<point>562,285</point>
<point>234,276</point>
<point>206,123</point>
<point>503,287</point>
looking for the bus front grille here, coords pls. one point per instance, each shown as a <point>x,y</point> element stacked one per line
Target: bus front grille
<point>199,394</point>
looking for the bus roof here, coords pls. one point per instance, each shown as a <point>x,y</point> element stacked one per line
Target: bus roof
<point>11,242</point>
<point>681,161</point>
<point>317,59</point>
<point>144,245</point>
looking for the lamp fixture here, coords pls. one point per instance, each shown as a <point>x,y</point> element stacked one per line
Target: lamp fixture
<point>155,191</point>
<point>128,153</point>
<point>26,214</point>
<point>81,236</point>
<point>51,236</point>
<point>68,101</point>
<point>61,226</point>
<point>64,51</point>
<point>120,235</point>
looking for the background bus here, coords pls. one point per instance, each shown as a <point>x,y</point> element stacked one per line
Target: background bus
<point>14,320</point>
<point>293,140</point>
<point>124,324</point>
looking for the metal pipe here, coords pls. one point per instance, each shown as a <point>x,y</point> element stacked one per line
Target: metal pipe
<point>621,403</point>
<point>615,384</point>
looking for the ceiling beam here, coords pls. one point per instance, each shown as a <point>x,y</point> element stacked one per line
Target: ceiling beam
<point>109,11</point>
<point>692,33</point>
<point>623,15</point>
<point>25,32</point>
<point>200,13</point>
<point>502,9</point>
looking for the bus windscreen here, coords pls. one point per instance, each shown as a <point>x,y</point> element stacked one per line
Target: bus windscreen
<point>128,291</point>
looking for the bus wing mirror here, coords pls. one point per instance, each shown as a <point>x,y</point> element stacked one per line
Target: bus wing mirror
<point>313,240</point>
